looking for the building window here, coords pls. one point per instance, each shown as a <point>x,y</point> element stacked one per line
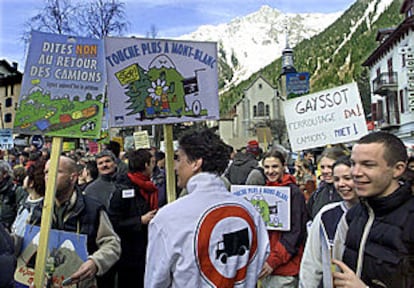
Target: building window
<point>254,111</point>
<point>12,90</point>
<point>390,70</point>
<point>402,101</point>
<point>9,102</point>
<point>374,116</point>
<point>267,110</point>
<point>260,109</point>
<point>8,118</point>
<point>260,86</point>
<point>380,111</point>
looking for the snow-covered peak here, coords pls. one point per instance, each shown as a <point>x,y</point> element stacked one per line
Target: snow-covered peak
<point>251,42</point>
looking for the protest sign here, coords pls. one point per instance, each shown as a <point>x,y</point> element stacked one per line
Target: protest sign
<point>273,203</point>
<point>141,140</point>
<point>66,252</point>
<point>6,139</point>
<point>62,95</point>
<point>153,81</point>
<point>63,87</point>
<point>328,117</point>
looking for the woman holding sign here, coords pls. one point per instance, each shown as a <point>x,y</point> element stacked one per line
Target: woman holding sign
<point>281,268</point>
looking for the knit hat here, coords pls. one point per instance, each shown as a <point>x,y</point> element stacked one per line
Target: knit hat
<point>253,147</point>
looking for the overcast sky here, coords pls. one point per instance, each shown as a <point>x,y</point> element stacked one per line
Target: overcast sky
<point>172,18</point>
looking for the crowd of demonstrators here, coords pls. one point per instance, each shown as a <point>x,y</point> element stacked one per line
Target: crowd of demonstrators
<point>178,254</point>
<point>326,192</point>
<point>375,242</point>
<point>316,261</point>
<point>281,268</point>
<point>133,204</point>
<point>120,211</point>
<point>77,213</point>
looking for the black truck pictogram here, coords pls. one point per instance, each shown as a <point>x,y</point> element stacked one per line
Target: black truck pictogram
<point>234,243</point>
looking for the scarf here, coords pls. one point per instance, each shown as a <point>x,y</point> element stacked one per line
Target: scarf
<point>285,181</point>
<point>147,188</point>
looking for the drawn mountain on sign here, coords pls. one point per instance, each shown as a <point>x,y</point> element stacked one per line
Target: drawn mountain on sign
<point>161,61</point>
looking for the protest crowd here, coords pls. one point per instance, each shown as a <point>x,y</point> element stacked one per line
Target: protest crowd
<point>351,215</point>
<point>318,192</point>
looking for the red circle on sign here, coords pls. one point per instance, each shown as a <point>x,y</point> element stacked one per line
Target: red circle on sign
<point>205,229</point>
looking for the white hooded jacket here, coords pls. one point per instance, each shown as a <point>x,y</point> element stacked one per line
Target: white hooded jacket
<point>209,238</point>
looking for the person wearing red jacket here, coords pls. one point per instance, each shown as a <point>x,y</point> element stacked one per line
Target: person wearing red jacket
<point>281,268</point>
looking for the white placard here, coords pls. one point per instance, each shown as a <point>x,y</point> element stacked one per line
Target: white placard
<point>328,117</point>
<point>272,202</point>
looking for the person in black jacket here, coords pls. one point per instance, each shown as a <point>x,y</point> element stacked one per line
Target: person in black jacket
<point>376,239</point>
<point>130,214</point>
<point>243,163</point>
<point>7,259</point>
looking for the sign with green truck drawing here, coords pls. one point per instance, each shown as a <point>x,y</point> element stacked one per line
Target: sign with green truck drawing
<point>153,81</point>
<point>63,87</point>
<point>273,203</point>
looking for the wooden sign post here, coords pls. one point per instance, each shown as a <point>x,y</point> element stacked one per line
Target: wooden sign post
<point>47,212</point>
<point>169,162</point>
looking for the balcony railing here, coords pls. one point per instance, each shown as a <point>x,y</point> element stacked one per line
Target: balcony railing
<point>385,83</point>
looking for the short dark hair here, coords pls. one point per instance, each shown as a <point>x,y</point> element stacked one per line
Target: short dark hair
<point>159,155</point>
<point>394,148</point>
<point>345,160</point>
<point>206,145</point>
<point>91,166</point>
<point>138,158</point>
<point>276,154</point>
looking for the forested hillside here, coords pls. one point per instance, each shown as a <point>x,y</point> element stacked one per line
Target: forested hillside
<point>334,56</point>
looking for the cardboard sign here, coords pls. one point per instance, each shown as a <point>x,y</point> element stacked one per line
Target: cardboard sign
<point>328,117</point>
<point>63,87</point>
<point>67,251</point>
<point>153,81</point>
<point>141,140</point>
<point>273,203</point>
<point>6,139</point>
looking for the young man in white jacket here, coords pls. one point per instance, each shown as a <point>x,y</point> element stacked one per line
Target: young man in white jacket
<point>208,238</point>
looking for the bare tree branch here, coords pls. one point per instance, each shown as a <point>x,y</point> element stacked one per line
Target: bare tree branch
<point>101,18</point>
<point>94,18</point>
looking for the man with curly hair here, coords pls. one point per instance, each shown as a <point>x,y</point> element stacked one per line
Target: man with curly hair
<point>209,238</point>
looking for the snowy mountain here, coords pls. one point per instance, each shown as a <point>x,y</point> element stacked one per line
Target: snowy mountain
<point>334,56</point>
<point>249,43</point>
